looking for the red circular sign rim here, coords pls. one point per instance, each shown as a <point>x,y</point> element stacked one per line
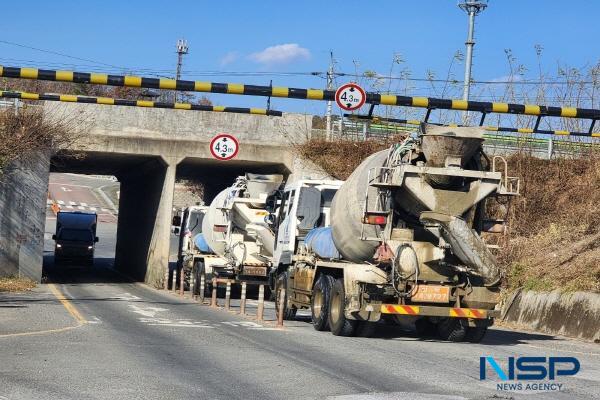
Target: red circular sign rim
<point>222,135</point>
<point>342,106</point>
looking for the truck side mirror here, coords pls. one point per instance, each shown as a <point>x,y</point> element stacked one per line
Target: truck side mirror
<point>176,220</point>
<point>53,237</point>
<point>96,239</point>
<point>270,219</point>
<point>272,200</point>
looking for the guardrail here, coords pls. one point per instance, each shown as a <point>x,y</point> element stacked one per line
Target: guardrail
<point>197,291</point>
<point>429,103</point>
<point>134,103</point>
<point>376,120</point>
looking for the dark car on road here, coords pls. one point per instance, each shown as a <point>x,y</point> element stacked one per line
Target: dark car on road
<point>75,237</point>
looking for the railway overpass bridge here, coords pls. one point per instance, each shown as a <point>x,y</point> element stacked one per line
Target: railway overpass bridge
<point>147,149</point>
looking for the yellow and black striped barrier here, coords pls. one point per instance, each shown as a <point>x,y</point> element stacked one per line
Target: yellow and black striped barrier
<point>135,103</point>
<point>376,119</point>
<point>295,93</point>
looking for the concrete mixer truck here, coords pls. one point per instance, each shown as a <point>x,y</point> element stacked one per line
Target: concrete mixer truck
<point>400,241</point>
<point>237,240</point>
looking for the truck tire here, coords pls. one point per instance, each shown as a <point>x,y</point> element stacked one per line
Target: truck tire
<point>319,302</point>
<point>475,333</point>
<point>289,312</point>
<point>452,329</point>
<point>338,323</point>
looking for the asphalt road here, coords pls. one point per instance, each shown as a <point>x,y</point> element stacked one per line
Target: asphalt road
<point>93,334</point>
<point>137,342</point>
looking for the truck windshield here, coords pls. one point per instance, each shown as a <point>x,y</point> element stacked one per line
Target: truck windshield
<point>327,197</point>
<point>195,224</point>
<point>76,235</point>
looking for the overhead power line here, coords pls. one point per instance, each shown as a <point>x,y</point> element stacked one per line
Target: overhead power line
<point>56,53</point>
<point>516,81</point>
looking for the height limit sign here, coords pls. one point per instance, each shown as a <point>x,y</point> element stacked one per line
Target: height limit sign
<point>224,147</point>
<point>350,97</point>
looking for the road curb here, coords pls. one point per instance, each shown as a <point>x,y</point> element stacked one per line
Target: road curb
<point>575,314</point>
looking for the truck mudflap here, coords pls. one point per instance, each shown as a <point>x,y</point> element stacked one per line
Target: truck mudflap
<point>431,311</point>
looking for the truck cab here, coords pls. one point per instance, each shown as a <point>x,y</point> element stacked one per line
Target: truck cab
<point>302,206</point>
<point>187,226</point>
<point>75,237</point>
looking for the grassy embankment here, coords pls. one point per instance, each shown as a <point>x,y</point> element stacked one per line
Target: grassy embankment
<point>15,284</point>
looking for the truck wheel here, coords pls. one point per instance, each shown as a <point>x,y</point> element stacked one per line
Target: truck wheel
<point>475,333</point>
<point>452,329</point>
<point>339,324</point>
<point>289,312</point>
<point>319,302</point>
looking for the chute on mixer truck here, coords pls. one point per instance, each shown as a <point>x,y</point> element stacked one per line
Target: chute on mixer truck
<point>400,240</point>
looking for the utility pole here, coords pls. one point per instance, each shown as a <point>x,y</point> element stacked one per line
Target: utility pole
<point>330,87</point>
<point>472,8</point>
<point>182,49</point>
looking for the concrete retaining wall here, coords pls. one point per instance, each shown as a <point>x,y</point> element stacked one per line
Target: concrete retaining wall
<point>568,314</point>
<point>23,194</point>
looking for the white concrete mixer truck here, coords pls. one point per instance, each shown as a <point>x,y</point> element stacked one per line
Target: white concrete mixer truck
<point>236,239</point>
<point>400,240</point>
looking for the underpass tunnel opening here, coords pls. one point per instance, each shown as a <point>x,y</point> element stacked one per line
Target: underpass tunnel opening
<point>145,191</point>
<point>124,191</point>
<point>212,176</point>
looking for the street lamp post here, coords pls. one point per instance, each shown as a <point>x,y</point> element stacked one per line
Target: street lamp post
<point>472,8</point>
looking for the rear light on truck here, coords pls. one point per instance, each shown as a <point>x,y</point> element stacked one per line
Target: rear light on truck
<point>374,219</point>
<point>220,228</point>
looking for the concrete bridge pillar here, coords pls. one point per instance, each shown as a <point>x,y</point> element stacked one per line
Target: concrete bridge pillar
<point>145,209</point>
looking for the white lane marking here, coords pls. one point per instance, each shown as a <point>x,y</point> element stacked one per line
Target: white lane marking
<point>81,208</point>
<point>83,204</point>
<point>104,210</point>
<point>69,184</point>
<point>65,189</point>
<point>183,326</point>
<point>94,320</point>
<point>125,296</point>
<point>72,203</point>
<point>245,324</point>
<point>397,396</point>
<point>146,311</point>
<point>71,207</point>
<point>92,208</point>
<point>178,323</point>
<point>264,329</point>
<point>60,202</point>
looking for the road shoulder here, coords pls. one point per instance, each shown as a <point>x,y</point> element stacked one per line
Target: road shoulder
<point>43,310</point>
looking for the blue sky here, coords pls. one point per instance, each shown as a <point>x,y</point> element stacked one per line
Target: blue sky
<point>237,35</point>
